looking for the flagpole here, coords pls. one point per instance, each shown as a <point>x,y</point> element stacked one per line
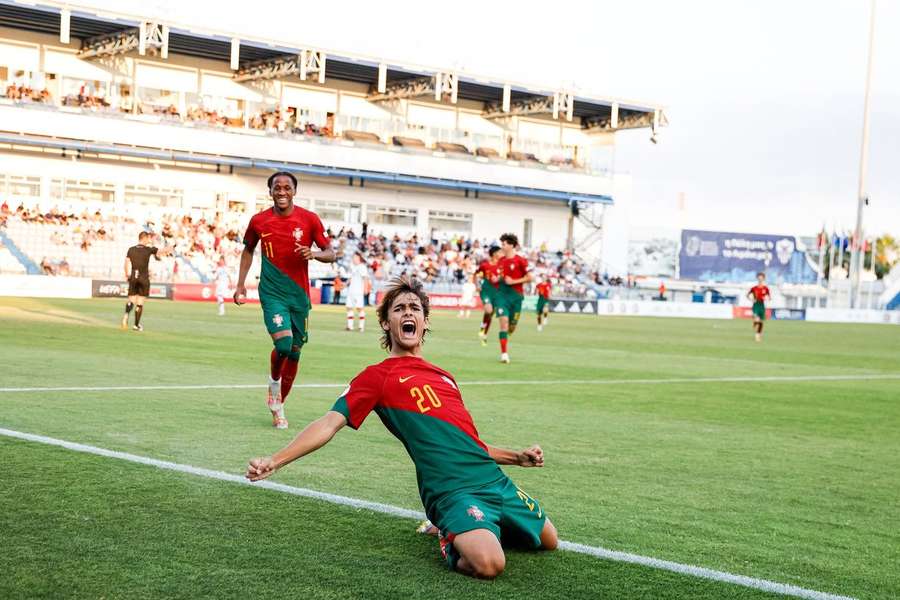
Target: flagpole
<point>861,199</point>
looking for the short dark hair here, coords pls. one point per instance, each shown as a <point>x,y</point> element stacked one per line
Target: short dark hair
<point>143,235</point>
<point>510,238</point>
<point>398,286</point>
<point>493,250</point>
<point>760,274</point>
<point>272,177</point>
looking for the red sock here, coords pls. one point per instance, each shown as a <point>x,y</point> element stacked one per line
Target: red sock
<point>503,342</point>
<point>486,323</point>
<point>288,373</point>
<point>276,362</point>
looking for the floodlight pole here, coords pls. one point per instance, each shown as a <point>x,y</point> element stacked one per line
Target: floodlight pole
<point>861,200</point>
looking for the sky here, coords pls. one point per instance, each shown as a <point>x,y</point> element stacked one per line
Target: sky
<point>764,97</point>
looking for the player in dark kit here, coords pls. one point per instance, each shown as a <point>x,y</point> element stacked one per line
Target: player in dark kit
<point>465,493</point>
<point>759,293</point>
<point>514,273</point>
<point>286,234</point>
<point>488,271</point>
<point>137,274</point>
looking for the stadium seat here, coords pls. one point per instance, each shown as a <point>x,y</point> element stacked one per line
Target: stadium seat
<point>361,136</point>
<point>408,142</point>
<point>451,147</point>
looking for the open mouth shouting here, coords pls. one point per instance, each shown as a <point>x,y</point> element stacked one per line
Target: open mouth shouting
<point>408,329</point>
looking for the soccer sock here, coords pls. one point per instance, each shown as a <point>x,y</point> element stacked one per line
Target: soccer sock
<point>128,307</point>
<point>759,327</point>
<point>350,319</point>
<point>276,364</point>
<point>138,311</point>
<point>288,373</point>
<point>486,323</point>
<point>504,340</point>
<point>362,322</point>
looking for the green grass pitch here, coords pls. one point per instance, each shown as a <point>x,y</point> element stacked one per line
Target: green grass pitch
<point>795,481</point>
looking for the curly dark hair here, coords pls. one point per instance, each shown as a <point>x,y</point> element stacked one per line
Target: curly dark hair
<point>510,238</point>
<point>400,285</point>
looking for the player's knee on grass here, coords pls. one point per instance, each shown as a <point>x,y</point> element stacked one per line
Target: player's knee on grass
<point>283,345</point>
<point>481,554</point>
<point>549,536</point>
<point>482,562</point>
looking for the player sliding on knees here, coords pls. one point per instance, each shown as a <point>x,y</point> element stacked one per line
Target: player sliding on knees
<point>286,234</point>
<point>465,493</point>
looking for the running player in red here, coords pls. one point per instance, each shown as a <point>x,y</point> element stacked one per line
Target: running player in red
<point>514,273</point>
<point>543,290</point>
<point>287,233</point>
<point>488,271</point>
<point>466,495</point>
<point>759,293</point>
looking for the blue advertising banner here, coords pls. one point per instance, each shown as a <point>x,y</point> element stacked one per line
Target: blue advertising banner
<point>738,257</point>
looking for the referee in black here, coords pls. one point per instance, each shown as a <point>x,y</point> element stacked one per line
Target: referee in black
<point>137,272</point>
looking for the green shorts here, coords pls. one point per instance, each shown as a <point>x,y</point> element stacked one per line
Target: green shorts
<point>487,293</point>
<point>508,304</point>
<point>502,508</point>
<point>759,310</point>
<point>541,303</point>
<point>279,315</point>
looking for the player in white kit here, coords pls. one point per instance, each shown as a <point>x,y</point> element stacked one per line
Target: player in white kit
<point>356,291</point>
<point>223,283</point>
<point>467,301</point>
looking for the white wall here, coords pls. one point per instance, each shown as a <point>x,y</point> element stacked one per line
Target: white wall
<point>492,215</point>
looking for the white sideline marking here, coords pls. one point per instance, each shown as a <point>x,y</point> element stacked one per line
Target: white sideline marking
<point>596,551</point>
<point>670,380</point>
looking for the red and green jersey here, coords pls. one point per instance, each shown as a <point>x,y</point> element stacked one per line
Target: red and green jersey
<point>760,293</point>
<point>543,289</point>
<point>489,271</point>
<point>284,272</point>
<point>421,405</point>
<point>515,267</point>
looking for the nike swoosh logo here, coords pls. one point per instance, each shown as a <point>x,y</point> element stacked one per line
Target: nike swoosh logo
<point>405,379</point>
<point>264,235</point>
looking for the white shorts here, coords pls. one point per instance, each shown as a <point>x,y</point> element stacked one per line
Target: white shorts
<point>355,300</point>
<point>467,301</point>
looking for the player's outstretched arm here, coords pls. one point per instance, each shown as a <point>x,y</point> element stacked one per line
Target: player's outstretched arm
<point>529,457</point>
<point>240,292</point>
<point>314,436</point>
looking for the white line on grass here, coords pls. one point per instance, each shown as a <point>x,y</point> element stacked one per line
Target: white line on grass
<point>670,380</point>
<point>626,557</point>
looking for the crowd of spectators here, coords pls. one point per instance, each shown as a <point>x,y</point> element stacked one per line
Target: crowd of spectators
<point>24,93</point>
<point>443,263</point>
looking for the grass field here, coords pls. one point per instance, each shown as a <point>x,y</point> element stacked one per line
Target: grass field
<point>794,480</point>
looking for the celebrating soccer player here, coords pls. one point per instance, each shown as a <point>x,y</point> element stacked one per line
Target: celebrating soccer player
<point>543,290</point>
<point>514,274</point>
<point>286,233</point>
<point>465,493</point>
<point>490,281</point>
<point>759,293</point>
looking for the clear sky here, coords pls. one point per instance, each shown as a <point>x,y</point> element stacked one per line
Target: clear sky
<point>764,97</point>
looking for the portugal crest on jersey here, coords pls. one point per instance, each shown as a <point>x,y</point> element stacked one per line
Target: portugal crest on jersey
<point>278,320</point>
<point>298,234</point>
<point>475,513</point>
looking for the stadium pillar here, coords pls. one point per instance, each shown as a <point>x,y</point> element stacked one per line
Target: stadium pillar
<point>861,199</point>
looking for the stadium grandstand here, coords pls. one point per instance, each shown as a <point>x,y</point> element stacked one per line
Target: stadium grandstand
<point>111,124</point>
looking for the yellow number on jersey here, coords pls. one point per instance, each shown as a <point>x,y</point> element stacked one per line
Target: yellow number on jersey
<point>428,394</point>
